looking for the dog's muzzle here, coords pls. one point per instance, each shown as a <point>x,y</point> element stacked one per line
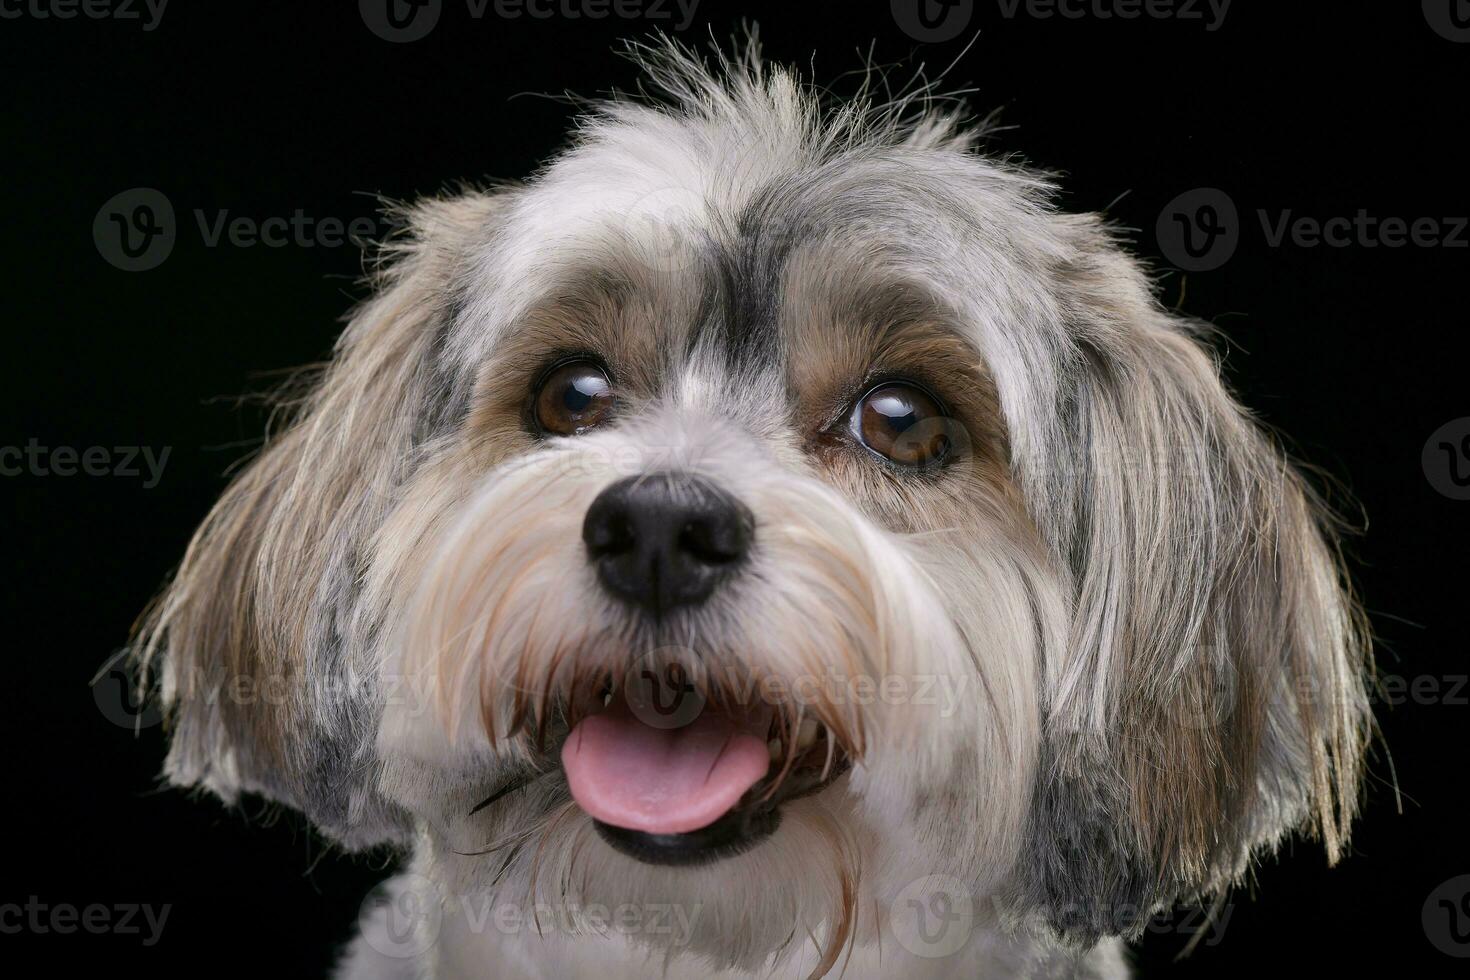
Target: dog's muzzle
<point>664,788</point>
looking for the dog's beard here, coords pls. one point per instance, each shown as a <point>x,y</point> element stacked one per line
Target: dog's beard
<point>901,656</point>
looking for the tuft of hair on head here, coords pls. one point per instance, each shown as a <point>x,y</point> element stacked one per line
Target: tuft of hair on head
<point>736,92</point>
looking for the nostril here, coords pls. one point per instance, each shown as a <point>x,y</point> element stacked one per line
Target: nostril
<point>608,532</point>
<point>718,540</point>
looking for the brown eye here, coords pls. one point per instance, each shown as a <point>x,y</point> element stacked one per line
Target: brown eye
<point>902,423</point>
<point>573,398</point>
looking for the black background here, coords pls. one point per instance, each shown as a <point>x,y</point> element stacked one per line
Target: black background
<point>1358,353</point>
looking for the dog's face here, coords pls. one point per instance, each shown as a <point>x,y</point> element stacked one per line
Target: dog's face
<point>763,511</point>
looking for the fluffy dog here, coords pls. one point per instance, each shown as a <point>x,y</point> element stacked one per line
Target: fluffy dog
<point>771,541</point>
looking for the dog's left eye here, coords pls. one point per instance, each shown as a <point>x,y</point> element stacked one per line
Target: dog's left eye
<point>573,398</point>
<point>902,423</point>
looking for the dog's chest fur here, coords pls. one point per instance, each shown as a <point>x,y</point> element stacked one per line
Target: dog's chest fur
<point>472,940</point>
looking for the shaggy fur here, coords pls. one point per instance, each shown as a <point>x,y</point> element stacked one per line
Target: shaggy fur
<point>1153,663</point>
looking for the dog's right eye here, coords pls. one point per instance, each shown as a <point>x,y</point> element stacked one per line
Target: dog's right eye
<point>572,398</point>
<point>902,423</point>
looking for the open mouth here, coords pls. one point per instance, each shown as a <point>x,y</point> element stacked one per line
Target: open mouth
<point>697,792</point>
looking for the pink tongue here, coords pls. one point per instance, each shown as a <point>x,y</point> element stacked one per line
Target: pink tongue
<point>663,781</point>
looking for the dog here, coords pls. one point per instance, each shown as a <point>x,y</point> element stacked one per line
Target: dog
<point>773,540</point>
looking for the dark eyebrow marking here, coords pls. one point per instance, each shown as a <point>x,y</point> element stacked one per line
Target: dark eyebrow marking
<point>740,305</point>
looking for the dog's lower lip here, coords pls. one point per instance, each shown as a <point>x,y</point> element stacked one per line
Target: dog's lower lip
<point>732,834</point>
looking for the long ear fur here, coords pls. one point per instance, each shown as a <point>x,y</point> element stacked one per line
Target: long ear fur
<point>1212,697</point>
<point>265,689</point>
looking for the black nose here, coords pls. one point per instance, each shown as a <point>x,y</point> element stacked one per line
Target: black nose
<point>662,540</point>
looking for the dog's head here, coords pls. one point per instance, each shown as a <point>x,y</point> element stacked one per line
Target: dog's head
<point>765,507</point>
